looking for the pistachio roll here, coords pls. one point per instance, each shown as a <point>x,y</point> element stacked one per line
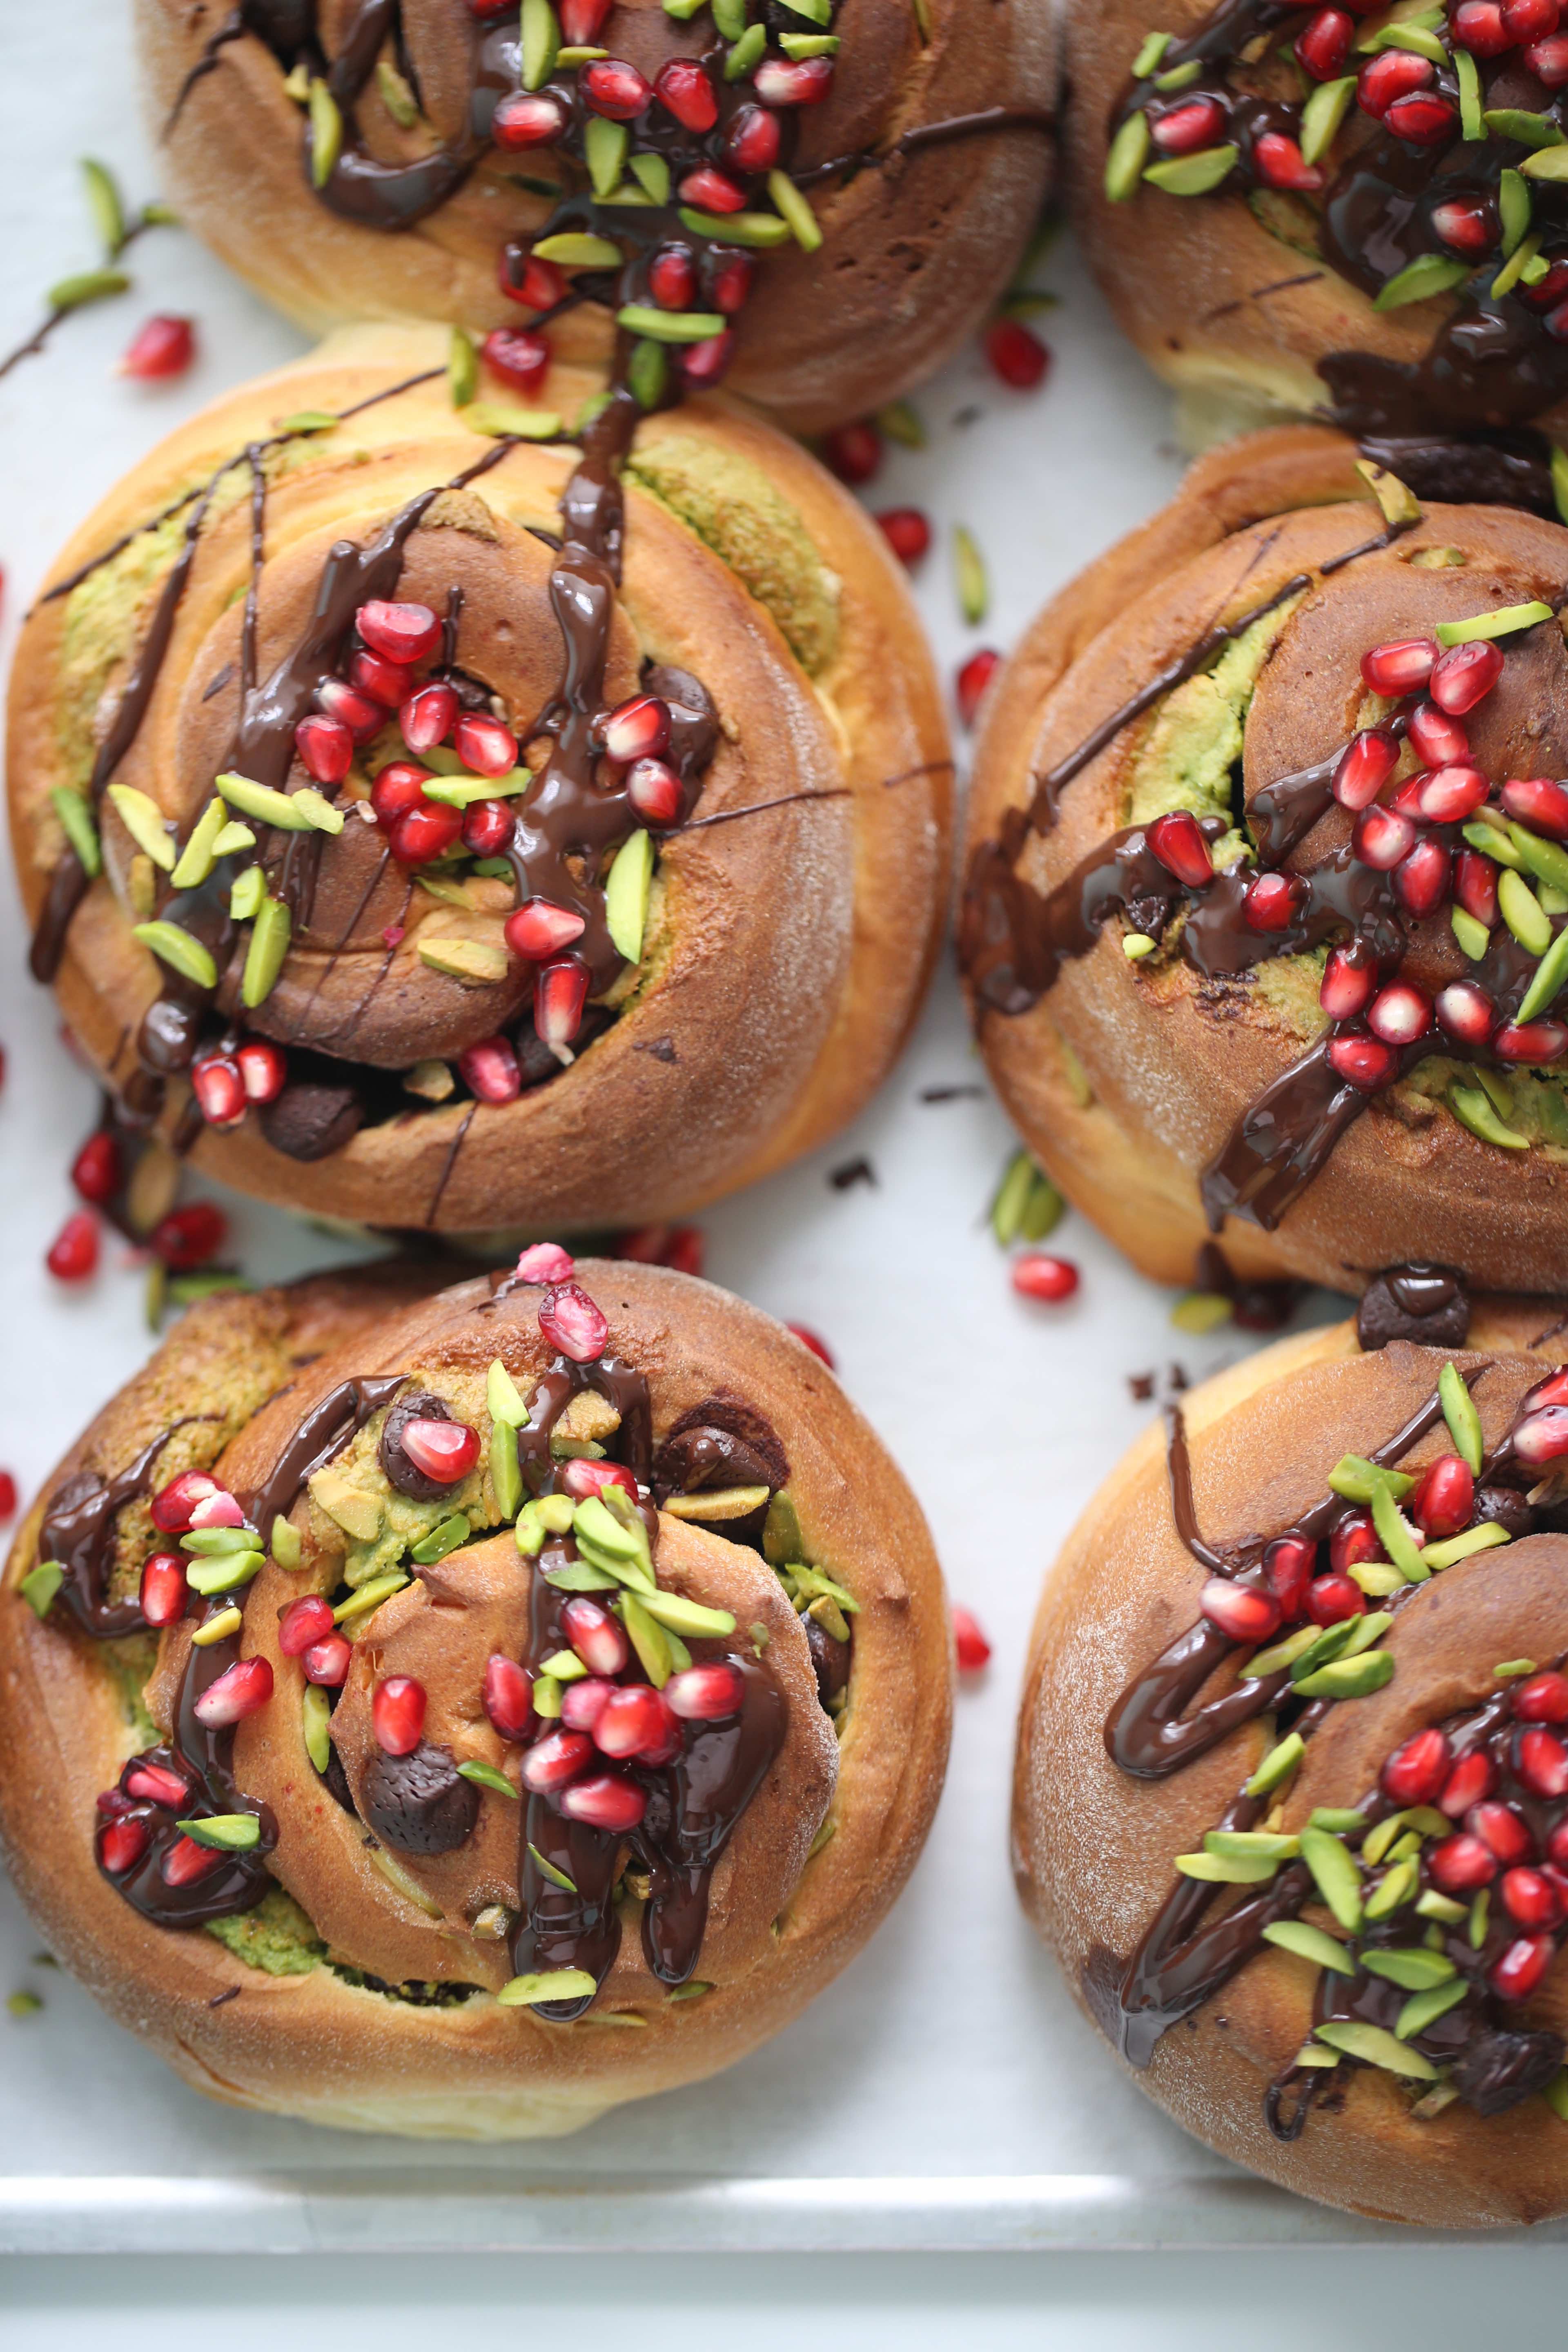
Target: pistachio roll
<point>842,195</point>
<point>1265,911</point>
<point>433,822</point>
<point>457,1712</point>
<point>1290,1803</point>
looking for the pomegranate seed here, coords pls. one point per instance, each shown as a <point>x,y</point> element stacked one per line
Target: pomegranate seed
<point>304,1622</point>
<point>630,1720</point>
<point>172,1506</point>
<point>1466,1012</point>
<point>1178,843</point>
<point>753,138</point>
<point>728,280</point>
<point>1382,839</point>
<point>1324,43</point>
<point>538,284</point>
<point>1353,1538</point>
<point>524,119</point>
<point>1400,668</point>
<point>684,89</point>
<point>1421,880</point>
<point>1500,1830</point>
<point>1529,20</point>
<point>1364,1063</point>
<point>1423,119</point>
<point>112,1803</point>
<point>539,928</point>
<point>582,21</point>
<point>1400,1012</point>
<point>1192,123</point>
<point>164,1587</point>
<point>819,1347</point>
<point>156,1784</point>
<point>73,1253</point>
<point>1393,75</point>
<point>244,1688</point>
<point>907,532</point>
<point>1288,1564</point>
<point>581,1479</point>
<point>1538,804</point>
<point>702,365</point>
<point>1466,225</point>
<point>7,1495</point>
<point>1415,1772</point>
<point>544,1262</point>
<point>570,1321</point>
<point>1462,1864</point>
<point>424,833</point>
<point>654,791</point>
<point>521,360</point>
<point>398,788</point>
<point>184,1861</point>
<point>1440,740</point>
<point>582,1703</point>
<point>399,633</point>
<point>397,1713</point>
<point>605,1801</point>
<point>1332,1599</point>
<point>326,749</point>
<point>1531,1041</point>
<point>188,1237</point>
<point>484,746</point>
<point>1541,1763</point>
<point>445,1451</point>
<point>383,681</point>
<point>686,1250</point>
<point>612,88</point>
<point>508,1696</point>
<point>1476,26</point>
<point>1465,676</point>
<point>638,729</point>
<point>1548,61</point>
<point>1365,765</point>
<point>487,826</point>
<point>806,83</point>
<point>1471,1779</point>
<point>1556,322</point>
<point>1543,1437</point>
<point>708,1694</point>
<point>553,1760</point>
<point>1279,164</point>
<point>217,1509</point>
<point>428,717</point>
<point>560,992</point>
<point>96,1170</point>
<point>1349,976</point>
<point>1443,1497</point>
<point>709,190</point>
<point>1270,904</point>
<point>1240,1610</point>
<point>219,1090</point>
<point>1521,1967</point>
<point>356,711</point>
<point>672,278</point>
<point>1550,1390</point>
<point>1474,886</point>
<point>1543,1698</point>
<point>1557,1846</point>
<point>1052,1279</point>
<point>163,347</point>
<point>853,452</point>
<point>1550,291</point>
<point>326,1662</point>
<point>487,11</point>
<point>488,1070</point>
<point>1448,795</point>
<point>121,1846</point>
<point>1018,357</point>
<point>595,1636</point>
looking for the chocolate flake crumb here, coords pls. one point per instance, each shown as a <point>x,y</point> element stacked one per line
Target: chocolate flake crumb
<point>218,1998</point>
<point>662,1048</point>
<point>853,1172</point>
<point>950,1094</point>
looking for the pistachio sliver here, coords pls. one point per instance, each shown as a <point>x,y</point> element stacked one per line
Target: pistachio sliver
<point>761,230</point>
<point>652,176</point>
<point>1277,1764</point>
<point>573,250</point>
<point>326,134</point>
<point>1425,2008</point>
<point>550,1984</point>
<point>1349,1677</point>
<point>1356,1478</point>
<point>1547,860</point>
<point>268,951</point>
<point>627,890</point>
<point>262,802</point>
<point>506,1475</point>
<point>716,1503</point>
<point>1323,115</point>
<point>1310,1944</point>
<point>1227,1870</point>
<point>969,576</point>
<point>79,828</point>
<point>796,208</point>
<point>1461,1547</point>
<point>1129,154</point>
<point>369,1596</point>
<point>224,1574</point>
<point>670,326</point>
<point>1506,618</point>
<point>1376,2048</point>
<point>145,822</point>
<point>1263,1662</point>
<point>1393,1534</point>
<point>1551,974</point>
<point>1194,174</point>
<point>179,950</point>
<point>199,855</point>
<point>1474,1112</point>
<point>1335,1876</point>
<point>442,1538</point>
<point>1252,1845</point>
<point>505,421</point>
<point>486,1776</point>
<point>40,1584</point>
<point>582,1576</point>
<point>563,1666</point>
<point>219,1627</point>
<point>1427,275</point>
<point>646,1637</point>
<point>1433,1905</point>
<point>1393,1892</point>
<point>678,1615</point>
<point>315,1719</point>
<point>548,1870</point>
<point>1459,1413</point>
<point>229,1832</point>
<point>1339,1821</point>
<point>1414,1971</point>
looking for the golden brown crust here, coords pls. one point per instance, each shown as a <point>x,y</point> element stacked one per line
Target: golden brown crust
<point>769,1017</point>
<point>1171,1065</point>
<point>1093,1848</point>
<point>315,2045</point>
<point>914,255</point>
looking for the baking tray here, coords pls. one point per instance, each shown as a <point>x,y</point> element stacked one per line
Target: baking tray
<point>944,2093</point>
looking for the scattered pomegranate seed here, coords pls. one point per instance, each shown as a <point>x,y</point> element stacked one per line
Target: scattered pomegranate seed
<point>219,1090</point>
<point>1465,224</point>
<point>356,711</point>
<point>524,119</point>
<point>241,1691</point>
<point>1400,1012</point>
<point>1541,1763</point>
<point>428,717</point>
<point>1538,804</point>
<point>1553,1389</point>
<point>1471,1779</point>
<point>523,278</point>
<point>1187,126</point>
<point>520,359</point>
<point>7,1496</point>
<point>424,833</point>
<point>595,1636</point>
<point>156,1784</point>
<point>399,787</point>
<point>399,633</point>
<point>1353,1538</point>
<point>488,1070</point>
<point>553,1760</point>
<point>1270,904</point>
<point>612,88</point>
<point>1402,666</point>
<point>702,365</point>
<point>560,994</point>
<point>445,1451</point>
<point>582,21</point>
<point>571,1322</point>
<point>1448,795</point>
<point>654,791</point>
<point>325,747</point>
<point>580,1478</point>
<point>1476,26</point>
<point>710,1693</point>
<point>638,729</point>
<point>383,681</point>
<point>172,1506</point>
<point>753,138</point>
<point>1382,838</point>
<point>1500,1830</point>
<point>508,1696</point>
<point>1349,976</point>
<point>487,826</point>
<point>1474,886</point>
<point>1240,1611</point>
<point>190,1236</point>
<point>604,1801</point>
<point>326,1661</point>
<point>1279,164</point>
<point>1178,843</point>
<point>1439,739</point>
<point>1416,1771</point>
<point>631,1720</point>
<point>729,282</point>
<point>304,1622</point>
<point>1521,1967</point>
<point>807,83</point>
<point>1530,20</point>
<point>484,746</point>
<point>1052,1279</point>
<point>121,1846</point>
<point>1466,1013</point>
<point>853,452</point>
<point>1324,43</point>
<point>709,190</point>
<point>1465,675</point>
<point>397,1713</point>
<point>1543,1437</point>
<point>73,1253</point>
<point>1531,1041</point>
<point>672,278</point>
<point>1365,1063</point>
<point>1462,1864</point>
<point>684,89</point>
<point>907,532</point>
<point>1332,1599</point>
<point>539,929</point>
<point>583,1702</point>
<point>1543,1698</point>
<point>184,1861</point>
<point>1423,119</point>
<point>973,677</point>
<point>1368,761</point>
<point>163,347</point>
<point>1548,61</point>
<point>1288,1564</point>
<point>1018,357</point>
<point>808,1339</point>
<point>1421,880</point>
<point>96,1169</point>
<point>1444,1496</point>
<point>110,1802</point>
<point>544,1262</point>
<point>163,1593</point>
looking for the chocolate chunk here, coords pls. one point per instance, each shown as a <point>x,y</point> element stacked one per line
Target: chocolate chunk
<point>308,1122</point>
<point>535,1061</point>
<point>1428,1304</point>
<point>1507,1508</point>
<point>1501,2069</point>
<point>853,1172</point>
<point>419,1803</point>
<point>731,1445</point>
<point>829,1659</point>
<point>404,1474</point>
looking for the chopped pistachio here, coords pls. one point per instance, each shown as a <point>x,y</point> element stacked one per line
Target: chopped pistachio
<point>431,1080</point>
<point>370,1596</point>
<point>1475,940</point>
<point>899,422</point>
<point>285,1545</point>
<point>1227,1870</point>
<point>397,96</point>
<point>1136,945</point>
<point>1512,1669</point>
<point>220,1627</point>
<point>1545,859</point>
<point>1396,1888</point>
<point>782,1538</point>
<point>1277,1764</point>
<point>1310,1944</point>
<point>1356,1478</point>
<point>678,1615</point>
<point>477,963</point>
<point>541,43</point>
<point>315,1723</point>
<point>1433,1905</point>
<point>746,53</point>
<point>1251,1845</point>
<point>1461,1547</point>
<point>794,208</point>
<point>326,134</point>
<point>1194,174</point>
<point>486,1776</point>
<point>228,1573</point>
<point>24,2003</point>
<point>1394,1533</point>
<point>1335,1876</point>
<point>1459,1413</point>
<point>1349,1677</point>
<point>548,1870</point>
<point>1396,503</point>
<point>552,1984</point>
<point>716,1503</point>
<point>652,174</point>
<point>1506,618</point>
<point>1199,1311</point>
<point>1427,275</point>
<point>79,828</point>
<point>268,951</point>
<point>179,950</point>
<point>627,890</point>
<point>1263,1662</point>
<point>1425,2006</point>
<point>1556,2094</point>
<point>969,576</point>
<point>229,1832</point>
<point>248,895</point>
<point>581,1576</point>
<point>1416,1970</point>
<point>1525,254</point>
<point>145,822</point>
<point>40,1584</point>
<point>1376,2048</point>
<point>1480,1913</point>
<point>1379,1579</point>
<point>1339,1821</point>
<point>563,1666</point>
<point>1473,1111</point>
<point>505,421</point>
<point>446,1537</point>
<point>1128,155</point>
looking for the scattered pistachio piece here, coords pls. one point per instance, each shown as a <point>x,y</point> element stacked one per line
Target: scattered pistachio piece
<point>1418,1970</point>
<point>1355,1677</point>
<point>227,1573</point>
<point>969,575</point>
<point>1195,175</point>
<point>79,827</point>
<point>248,895</point>
<point>1310,1944</point>
<point>395,95</point>
<point>449,1535</point>
<point>219,1629</point>
<point>199,855</point>
<point>485,1775</point>
<point>1356,1478</point>
<point>541,43</point>
<point>1197,1311</point>
<point>1227,1870</point>
<point>24,2003</point>
<point>794,208</point>
<point>646,1637</point>
<point>1376,2048</point>
<point>369,1596</point>
<point>1420,279</point>
<point>1508,617</point>
<point>286,1547</point>
<point>652,174</point>
<point>548,1870</point>
<point>1395,1534</point>
<point>1136,945</point>
<point>1335,1876</point>
<point>1473,1111</point>
<point>1277,1764</point>
<point>626,888</point>
<point>573,249</point>
<point>746,53</point>
<point>179,950</point>
<point>547,1698</point>
<point>678,1615</point>
<point>476,963</point>
<point>1396,503</point>
<point>326,134</point>
<point>716,1503</point>
<point>1128,155</point>
<point>229,1832</point>
<point>268,951</point>
<point>145,822</point>
<point>552,1984</point>
<point>40,1584</point>
<point>505,421</point>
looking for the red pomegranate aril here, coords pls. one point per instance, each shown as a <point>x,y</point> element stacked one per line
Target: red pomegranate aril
<point>630,1720</point>
<point>612,88</point>
<point>484,746</point>
<point>582,1479</point>
<point>1541,1761</point>
<point>753,138</point>
<point>1444,1496</point>
<point>527,117</point>
<point>1279,162</point>
<point>1465,676</point>
<point>1017,356</point>
<point>164,1587</point>
<point>1178,843</point>
<point>1350,977</point>
<point>1324,43</point>
<point>571,1322</point>
<point>582,21</point>
<point>654,791</point>
<point>156,1784</point>
<point>1542,1698</point>
<point>184,1861</point>
<point>595,1636</point>
<point>1530,20</point>
<point>508,1696</point>
<point>1462,1864</point>
<point>488,1070</point>
<point>189,1237</point>
<point>553,1760</point>
<point>241,1691</point>
<point>219,1091</point>
<point>172,1506</point>
<point>1556,323</point>
<point>326,747</point>
<point>1240,1611</point>
<point>1270,904</point>
<point>702,365</point>
<point>1421,880</point>
<point>1049,1280</point>
<point>445,1451</point>
<point>1500,1830</point>
<point>397,1714</point>
<point>161,348</point>
<point>356,711</point>
<point>1288,1564</point>
<point>638,729</point>
<point>1466,225</point>
<point>729,282</point>
<point>1400,1012</point>
<point>424,833</point>
<point>1539,802</point>
<point>111,1803</point>
<point>1423,119</point>
<point>1188,125</point>
<point>1382,839</point>
<point>487,826</point>
<point>1472,1779</point>
<point>1477,25</point>
<point>853,452</point>
<point>1448,795</point>
<point>1553,1389</point>
<point>539,285</point>
<point>1415,1772</point>
<point>326,1662</point>
<point>520,359</point>
<point>539,928</point>
<point>1332,1599</point>
<point>1466,1013</point>
<point>1543,1436</point>
<point>1367,762</point>
<point>428,717</point>
<point>605,1801</point>
<point>1365,1063</point>
<point>72,1256</point>
<point>1521,1967</point>
<point>121,1846</point>
<point>1406,664</point>
<point>560,994</point>
<point>684,91</point>
<point>1351,1539</point>
<point>973,677</point>
<point>711,1693</point>
<point>96,1169</point>
<point>806,83</point>
<point>1474,886</point>
<point>582,1703</point>
<point>1440,740</point>
<point>819,1347</point>
<point>1548,61</point>
<point>7,1495</point>
<point>1557,1846</point>
<point>1532,1041</point>
<point>1393,75</point>
<point>672,278</point>
<point>709,190</point>
<point>399,632</point>
<point>383,681</point>
<point>304,1622</point>
<point>907,532</point>
<point>398,788</point>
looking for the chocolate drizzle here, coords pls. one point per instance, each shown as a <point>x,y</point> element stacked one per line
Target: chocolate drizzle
<point>79,1529</point>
